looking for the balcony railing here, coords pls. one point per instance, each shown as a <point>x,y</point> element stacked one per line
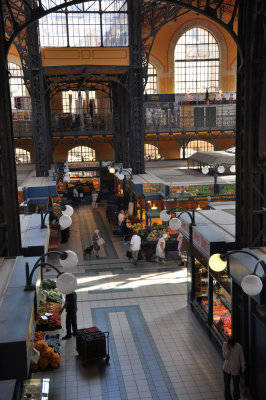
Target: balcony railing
<point>158,118</point>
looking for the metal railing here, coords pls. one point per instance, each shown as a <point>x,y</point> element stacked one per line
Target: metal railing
<point>187,118</point>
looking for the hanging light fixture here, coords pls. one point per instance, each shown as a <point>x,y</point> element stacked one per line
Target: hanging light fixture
<point>65,221</point>
<point>221,169</point>
<point>216,263</point>
<point>165,215</point>
<point>175,224</point>
<point>233,169</point>
<point>68,210</point>
<point>71,259</point>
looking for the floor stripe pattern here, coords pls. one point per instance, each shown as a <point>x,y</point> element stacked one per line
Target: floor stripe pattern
<point>158,384</point>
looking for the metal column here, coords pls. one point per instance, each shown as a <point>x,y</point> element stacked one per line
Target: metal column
<point>10,239</point>
<point>251,126</point>
<point>136,138</point>
<point>40,122</point>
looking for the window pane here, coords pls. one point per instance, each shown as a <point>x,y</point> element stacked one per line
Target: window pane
<point>197,62</point>
<point>88,24</point>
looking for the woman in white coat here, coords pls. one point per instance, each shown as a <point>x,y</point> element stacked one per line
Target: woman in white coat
<point>160,249</point>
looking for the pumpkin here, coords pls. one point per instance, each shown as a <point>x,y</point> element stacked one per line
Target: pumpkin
<point>55,360</point>
<point>41,345</point>
<point>43,362</point>
<point>47,353</point>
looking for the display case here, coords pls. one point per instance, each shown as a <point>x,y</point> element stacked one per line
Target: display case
<point>201,285</point>
<point>36,389</point>
<point>221,309</point>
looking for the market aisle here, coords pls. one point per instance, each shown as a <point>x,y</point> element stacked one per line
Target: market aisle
<point>157,348</point>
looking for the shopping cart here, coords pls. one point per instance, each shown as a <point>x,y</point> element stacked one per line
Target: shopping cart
<point>92,344</point>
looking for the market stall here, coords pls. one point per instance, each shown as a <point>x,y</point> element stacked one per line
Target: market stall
<point>209,292</point>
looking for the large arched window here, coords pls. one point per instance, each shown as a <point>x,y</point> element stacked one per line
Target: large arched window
<point>197,145</point>
<point>197,62</point>
<point>22,156</point>
<point>151,152</point>
<point>81,153</point>
<point>90,24</point>
<point>152,83</point>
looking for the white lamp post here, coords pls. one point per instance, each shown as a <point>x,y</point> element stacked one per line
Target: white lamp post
<point>251,284</point>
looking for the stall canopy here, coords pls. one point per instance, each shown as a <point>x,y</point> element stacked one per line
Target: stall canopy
<point>213,157</point>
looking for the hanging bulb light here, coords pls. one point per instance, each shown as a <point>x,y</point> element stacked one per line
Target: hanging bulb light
<point>233,169</point>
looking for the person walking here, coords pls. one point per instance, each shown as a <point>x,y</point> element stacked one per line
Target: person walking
<point>160,249</point>
<point>234,365</point>
<point>94,197</point>
<point>71,317</point>
<point>95,242</point>
<point>75,196</point>
<point>121,217</point>
<point>134,247</point>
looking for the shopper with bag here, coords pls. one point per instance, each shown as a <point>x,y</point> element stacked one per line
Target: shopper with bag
<point>134,247</point>
<point>97,242</point>
<point>160,249</point>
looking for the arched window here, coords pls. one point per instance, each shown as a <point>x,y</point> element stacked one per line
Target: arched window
<point>197,62</point>
<point>197,145</point>
<point>81,153</point>
<point>151,152</point>
<point>89,24</point>
<point>19,94</point>
<point>22,156</point>
<point>152,83</point>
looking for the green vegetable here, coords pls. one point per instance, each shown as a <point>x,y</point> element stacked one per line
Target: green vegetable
<point>48,284</point>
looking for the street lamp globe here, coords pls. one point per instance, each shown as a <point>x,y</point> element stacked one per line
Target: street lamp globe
<point>112,170</point>
<point>68,210</point>
<point>65,221</point>
<point>251,285</point>
<point>205,170</point>
<point>66,283</point>
<point>70,261</point>
<point>221,169</point>
<point>165,216</point>
<point>233,169</point>
<point>120,176</point>
<point>175,224</point>
<point>216,263</point>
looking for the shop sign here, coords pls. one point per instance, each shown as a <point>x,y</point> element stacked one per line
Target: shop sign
<point>203,198</point>
<point>201,243</point>
<point>228,189</point>
<point>84,164</point>
<point>152,188</point>
<point>176,190</point>
<point>198,190</point>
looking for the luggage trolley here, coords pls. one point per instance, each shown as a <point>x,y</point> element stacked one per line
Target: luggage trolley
<point>92,344</point>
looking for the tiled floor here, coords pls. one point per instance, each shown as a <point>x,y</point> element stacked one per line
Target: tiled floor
<point>157,348</point>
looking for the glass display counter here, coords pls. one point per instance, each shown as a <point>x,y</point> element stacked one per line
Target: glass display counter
<point>221,309</point>
<point>201,285</point>
<point>36,389</point>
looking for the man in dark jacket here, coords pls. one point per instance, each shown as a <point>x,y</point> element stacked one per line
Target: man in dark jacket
<point>71,316</point>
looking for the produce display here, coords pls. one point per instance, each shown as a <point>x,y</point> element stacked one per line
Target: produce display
<point>49,317</point>
<point>150,233</point>
<point>49,354</point>
<point>48,284</point>
<point>53,295</point>
<point>220,316</point>
<point>225,325</point>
